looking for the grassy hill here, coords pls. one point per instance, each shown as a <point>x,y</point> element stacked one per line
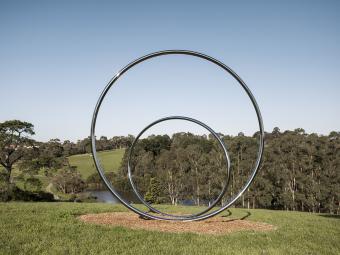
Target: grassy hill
<point>52,228</point>
<point>110,161</point>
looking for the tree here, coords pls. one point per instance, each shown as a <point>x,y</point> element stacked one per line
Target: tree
<point>299,171</point>
<point>68,180</point>
<point>33,184</point>
<point>48,157</point>
<point>154,193</point>
<point>14,143</point>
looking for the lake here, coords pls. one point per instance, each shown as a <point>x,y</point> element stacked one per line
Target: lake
<point>104,196</point>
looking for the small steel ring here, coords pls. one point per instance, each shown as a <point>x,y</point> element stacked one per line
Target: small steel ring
<point>225,152</point>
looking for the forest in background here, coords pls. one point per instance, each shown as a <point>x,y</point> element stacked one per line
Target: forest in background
<point>299,171</point>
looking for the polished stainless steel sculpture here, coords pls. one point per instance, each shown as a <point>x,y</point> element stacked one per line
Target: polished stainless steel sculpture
<point>158,215</point>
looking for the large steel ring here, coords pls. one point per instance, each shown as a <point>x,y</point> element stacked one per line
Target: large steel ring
<point>224,67</point>
<point>225,152</point>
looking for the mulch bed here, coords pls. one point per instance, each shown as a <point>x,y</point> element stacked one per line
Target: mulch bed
<point>217,225</point>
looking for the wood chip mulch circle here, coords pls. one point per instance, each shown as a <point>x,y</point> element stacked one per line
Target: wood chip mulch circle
<point>217,225</point>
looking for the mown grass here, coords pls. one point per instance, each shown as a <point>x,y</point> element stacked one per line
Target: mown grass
<point>110,161</point>
<point>52,228</point>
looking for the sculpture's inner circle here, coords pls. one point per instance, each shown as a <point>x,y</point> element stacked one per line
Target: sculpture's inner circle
<point>220,142</point>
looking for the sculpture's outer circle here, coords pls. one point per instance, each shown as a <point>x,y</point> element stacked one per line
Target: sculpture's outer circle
<point>226,155</point>
<point>177,52</point>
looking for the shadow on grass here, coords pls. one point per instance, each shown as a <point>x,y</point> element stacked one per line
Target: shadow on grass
<point>229,213</point>
<point>242,218</point>
<point>330,216</point>
<point>226,215</point>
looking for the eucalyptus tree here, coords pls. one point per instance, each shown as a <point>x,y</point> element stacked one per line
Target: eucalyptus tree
<point>15,142</point>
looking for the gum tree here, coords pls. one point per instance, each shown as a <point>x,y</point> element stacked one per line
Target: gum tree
<point>14,143</point>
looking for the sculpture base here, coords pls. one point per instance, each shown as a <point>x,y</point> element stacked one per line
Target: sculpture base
<point>215,226</point>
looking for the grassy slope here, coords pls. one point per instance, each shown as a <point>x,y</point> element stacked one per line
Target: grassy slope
<point>110,161</point>
<point>52,228</point>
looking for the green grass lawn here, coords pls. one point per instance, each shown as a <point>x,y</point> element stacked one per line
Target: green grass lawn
<point>52,228</point>
<point>110,161</point>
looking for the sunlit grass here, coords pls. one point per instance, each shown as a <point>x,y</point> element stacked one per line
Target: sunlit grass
<point>52,228</point>
<point>110,161</point>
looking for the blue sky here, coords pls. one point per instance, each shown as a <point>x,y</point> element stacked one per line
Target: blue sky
<point>57,56</point>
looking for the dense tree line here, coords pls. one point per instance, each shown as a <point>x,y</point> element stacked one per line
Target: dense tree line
<point>34,158</point>
<point>299,171</point>
<point>31,158</point>
<point>103,143</point>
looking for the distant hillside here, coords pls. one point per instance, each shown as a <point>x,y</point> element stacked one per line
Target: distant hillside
<point>110,161</point>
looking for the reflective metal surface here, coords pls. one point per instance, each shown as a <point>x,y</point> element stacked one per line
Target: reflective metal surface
<point>162,216</point>
<point>221,143</point>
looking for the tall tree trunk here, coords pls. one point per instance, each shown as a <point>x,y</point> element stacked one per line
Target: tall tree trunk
<point>293,193</point>
<point>209,191</point>
<point>8,175</point>
<point>198,192</point>
<point>171,189</point>
<point>331,205</point>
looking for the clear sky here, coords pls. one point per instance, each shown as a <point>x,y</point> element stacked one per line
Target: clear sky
<point>57,56</point>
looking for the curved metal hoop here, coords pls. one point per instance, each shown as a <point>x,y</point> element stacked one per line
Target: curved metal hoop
<point>225,152</point>
<point>177,52</point>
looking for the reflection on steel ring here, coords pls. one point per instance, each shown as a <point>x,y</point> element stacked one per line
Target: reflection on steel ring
<point>241,83</point>
<point>225,152</point>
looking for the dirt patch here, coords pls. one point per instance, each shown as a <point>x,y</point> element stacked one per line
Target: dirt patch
<point>217,225</point>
